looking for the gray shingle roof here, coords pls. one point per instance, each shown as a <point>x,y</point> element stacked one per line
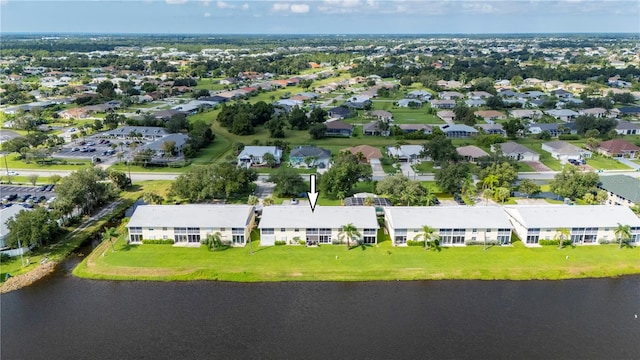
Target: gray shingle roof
<point>622,185</point>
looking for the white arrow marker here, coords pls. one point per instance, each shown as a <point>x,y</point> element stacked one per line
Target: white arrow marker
<point>313,194</point>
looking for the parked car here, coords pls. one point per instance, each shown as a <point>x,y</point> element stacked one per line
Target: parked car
<point>50,200</point>
<point>91,143</point>
<point>24,197</point>
<point>41,198</point>
<point>294,201</point>
<point>12,173</point>
<point>75,149</point>
<point>436,201</point>
<point>459,199</point>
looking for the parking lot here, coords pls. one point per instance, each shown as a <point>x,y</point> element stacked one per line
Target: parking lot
<point>25,195</point>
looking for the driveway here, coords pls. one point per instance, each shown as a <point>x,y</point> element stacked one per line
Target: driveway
<point>407,170</point>
<point>538,166</point>
<point>629,163</point>
<point>376,168</point>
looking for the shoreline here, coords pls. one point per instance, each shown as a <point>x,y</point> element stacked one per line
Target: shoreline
<point>29,278</point>
<point>103,264</point>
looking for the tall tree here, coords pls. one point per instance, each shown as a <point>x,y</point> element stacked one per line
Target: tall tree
<point>441,150</point>
<point>623,234</point>
<point>31,228</point>
<point>573,184</point>
<point>343,175</point>
<point>288,181</point>
<point>561,235</point>
<point>451,176</point>
<point>108,235</point>
<point>529,187</point>
<point>427,236</point>
<point>350,232</point>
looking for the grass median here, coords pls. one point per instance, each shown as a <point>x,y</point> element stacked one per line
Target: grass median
<point>336,263</point>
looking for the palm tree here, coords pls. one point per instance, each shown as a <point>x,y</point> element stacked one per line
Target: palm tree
<point>369,201</point>
<point>502,194</point>
<point>252,200</point>
<point>350,232</point>
<point>108,235</point>
<point>213,241</point>
<point>489,181</point>
<point>429,196</point>
<point>623,234</point>
<point>426,235</point>
<point>487,194</point>
<point>467,187</point>
<point>562,234</point>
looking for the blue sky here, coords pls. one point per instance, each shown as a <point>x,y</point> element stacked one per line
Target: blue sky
<point>319,16</point>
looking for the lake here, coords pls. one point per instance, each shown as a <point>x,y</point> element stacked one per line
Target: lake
<point>63,317</point>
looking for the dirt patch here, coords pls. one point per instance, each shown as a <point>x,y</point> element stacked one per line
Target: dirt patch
<point>26,279</point>
<point>538,166</point>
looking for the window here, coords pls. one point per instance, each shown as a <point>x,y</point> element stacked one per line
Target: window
<point>164,229</point>
<point>318,235</point>
<point>267,231</point>
<point>179,238</point>
<point>150,229</point>
<point>533,235</point>
<point>452,236</point>
<point>296,230</point>
<point>476,230</point>
<point>504,236</point>
<point>135,230</point>
<point>237,239</point>
<point>223,229</point>
<point>135,238</point>
<point>371,231</point>
<point>237,231</point>
<point>180,230</point>
<point>283,229</point>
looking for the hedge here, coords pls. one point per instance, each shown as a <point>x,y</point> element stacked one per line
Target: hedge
<point>158,242</point>
<point>568,137</point>
<point>554,242</point>
<point>280,242</point>
<point>489,242</point>
<point>415,243</point>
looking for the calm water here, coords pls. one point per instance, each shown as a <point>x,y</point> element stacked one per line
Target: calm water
<point>68,318</point>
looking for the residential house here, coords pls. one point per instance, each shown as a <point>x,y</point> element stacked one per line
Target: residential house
<point>471,153</point>
<point>358,102</point>
<point>532,82</point>
<point>475,102</point>
<point>450,84</point>
<point>406,153</point>
<point>309,156</point>
<point>453,225</point>
<point>447,116</point>
<point>563,114</point>
<point>373,128</point>
<point>562,94</point>
<point>592,224</point>
<point>410,128</point>
<point>597,112</point>
<point>339,112</point>
<point>619,148</point>
<point>621,189</point>
<point>450,95</point>
<point>575,87</point>
<point>420,95</point>
<point>526,114</point>
<point>629,110</point>
<point>516,151</point>
<point>477,95</point>
<point>338,128</point>
<point>254,155</point>
<point>296,223</point>
<point>289,103</point>
<point>382,115</point>
<point>458,131</point>
<point>553,84</point>
<point>409,103</point>
<point>627,128</point>
<point>189,225</point>
<point>492,129</point>
<point>369,153</point>
<point>564,151</point>
<point>553,129</point>
<point>76,113</point>
<point>443,104</point>
<point>490,115</point>
<point>6,214</point>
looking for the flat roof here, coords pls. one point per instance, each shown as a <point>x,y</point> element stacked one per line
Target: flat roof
<point>445,217</point>
<point>300,216</point>
<point>192,215</point>
<point>569,216</point>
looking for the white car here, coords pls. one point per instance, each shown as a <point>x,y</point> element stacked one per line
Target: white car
<point>12,173</point>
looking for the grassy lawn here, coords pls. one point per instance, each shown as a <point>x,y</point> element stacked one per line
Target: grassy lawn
<point>545,157</point>
<point>13,163</point>
<point>377,262</point>
<point>601,162</point>
<point>424,167</point>
<point>524,167</point>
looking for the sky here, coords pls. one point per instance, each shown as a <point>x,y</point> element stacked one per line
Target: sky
<point>319,16</point>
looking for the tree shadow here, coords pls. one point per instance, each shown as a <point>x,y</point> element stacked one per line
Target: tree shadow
<point>360,245</point>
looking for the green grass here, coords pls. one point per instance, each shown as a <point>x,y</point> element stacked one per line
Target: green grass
<point>524,167</point>
<point>13,163</point>
<point>600,162</point>
<point>424,167</point>
<point>336,263</point>
<point>545,157</point>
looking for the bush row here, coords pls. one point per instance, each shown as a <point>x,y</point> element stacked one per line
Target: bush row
<point>157,242</point>
<point>554,242</point>
<point>415,243</point>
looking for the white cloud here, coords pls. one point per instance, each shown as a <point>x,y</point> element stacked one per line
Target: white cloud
<point>299,8</point>
<point>176,2</point>
<point>280,7</point>
<point>207,14</point>
<point>224,5</point>
<point>245,6</point>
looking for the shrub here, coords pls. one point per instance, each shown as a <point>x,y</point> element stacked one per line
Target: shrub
<point>568,137</point>
<point>280,242</point>
<point>4,257</point>
<point>554,242</point>
<point>415,243</point>
<point>335,242</point>
<point>489,242</point>
<point>302,242</point>
<point>158,242</point>
<point>179,164</point>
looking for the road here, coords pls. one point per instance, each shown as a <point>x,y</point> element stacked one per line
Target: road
<point>138,176</point>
